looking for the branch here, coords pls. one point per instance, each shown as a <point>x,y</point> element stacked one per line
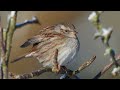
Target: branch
<point>30,75</point>
<point>85,65</point>
<point>10,33</point>
<point>105,35</point>
<point>2,52</point>
<point>34,20</point>
<point>6,41</point>
<point>43,70</point>
<point>71,73</point>
<point>106,68</point>
<point>1,39</point>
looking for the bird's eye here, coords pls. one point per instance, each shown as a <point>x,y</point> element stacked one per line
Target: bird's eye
<point>66,30</point>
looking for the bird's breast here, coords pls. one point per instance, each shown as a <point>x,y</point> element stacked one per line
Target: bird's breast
<point>67,49</point>
<point>68,52</point>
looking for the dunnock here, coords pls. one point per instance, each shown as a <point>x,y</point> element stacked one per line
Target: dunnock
<point>54,46</point>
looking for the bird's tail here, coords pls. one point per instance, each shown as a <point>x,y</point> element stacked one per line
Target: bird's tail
<point>19,58</point>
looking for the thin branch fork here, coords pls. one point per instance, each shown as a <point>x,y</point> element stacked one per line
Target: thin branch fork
<point>6,40</point>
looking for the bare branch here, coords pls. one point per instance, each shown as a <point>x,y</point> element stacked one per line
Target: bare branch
<point>7,38</point>
<point>26,22</point>
<point>2,53</point>
<point>10,33</point>
<point>106,68</point>
<point>85,65</point>
<point>1,40</point>
<point>30,75</point>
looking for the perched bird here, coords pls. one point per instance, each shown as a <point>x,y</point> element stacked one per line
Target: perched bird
<point>55,46</point>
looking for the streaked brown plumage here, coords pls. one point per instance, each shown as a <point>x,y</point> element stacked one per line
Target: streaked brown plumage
<point>60,37</point>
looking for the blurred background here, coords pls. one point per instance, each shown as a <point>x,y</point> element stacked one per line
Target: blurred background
<point>88,46</point>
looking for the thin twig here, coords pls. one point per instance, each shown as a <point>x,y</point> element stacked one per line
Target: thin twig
<point>1,39</point>
<point>106,68</point>
<point>8,42</point>
<point>71,73</point>
<point>2,59</point>
<point>85,65</point>
<point>55,67</point>
<point>10,33</point>
<point>31,75</point>
<point>26,22</point>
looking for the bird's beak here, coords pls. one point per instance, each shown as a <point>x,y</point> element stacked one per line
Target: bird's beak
<point>74,32</point>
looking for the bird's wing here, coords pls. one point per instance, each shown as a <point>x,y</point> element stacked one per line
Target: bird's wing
<point>41,38</point>
<point>34,41</point>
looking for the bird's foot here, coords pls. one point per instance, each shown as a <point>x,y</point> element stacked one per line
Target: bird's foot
<point>56,69</point>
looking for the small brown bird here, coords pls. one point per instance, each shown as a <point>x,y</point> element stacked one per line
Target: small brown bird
<point>54,46</point>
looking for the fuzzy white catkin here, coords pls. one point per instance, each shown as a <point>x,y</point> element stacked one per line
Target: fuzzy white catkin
<point>92,16</point>
<point>115,71</point>
<point>106,31</point>
<point>12,13</point>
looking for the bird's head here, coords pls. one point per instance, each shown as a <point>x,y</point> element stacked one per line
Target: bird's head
<point>66,29</point>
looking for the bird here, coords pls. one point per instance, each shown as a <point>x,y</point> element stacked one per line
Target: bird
<point>54,47</point>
